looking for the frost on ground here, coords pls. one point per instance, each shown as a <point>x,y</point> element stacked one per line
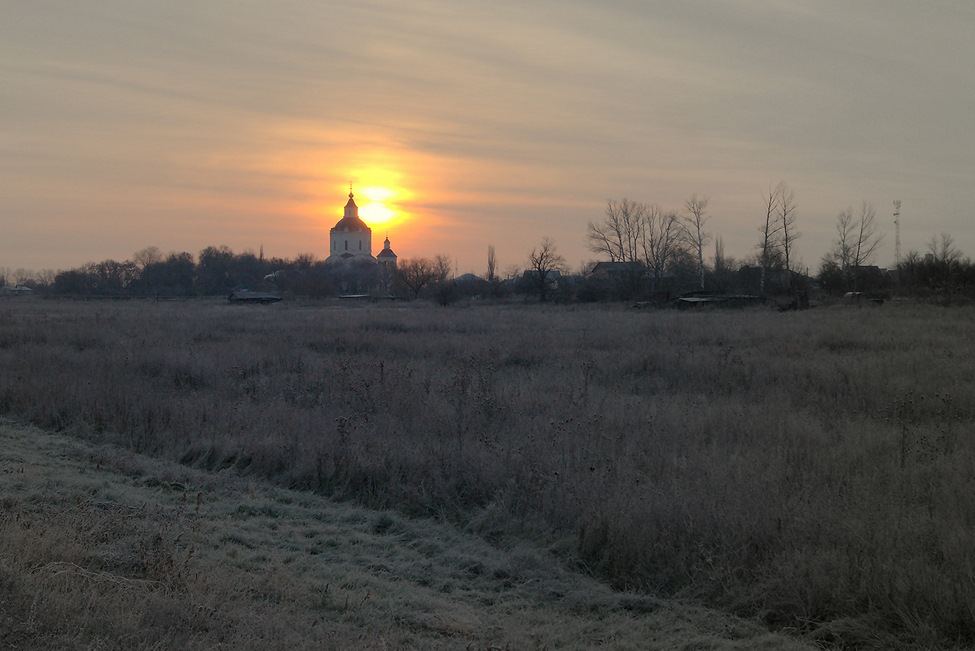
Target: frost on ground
<point>105,548</point>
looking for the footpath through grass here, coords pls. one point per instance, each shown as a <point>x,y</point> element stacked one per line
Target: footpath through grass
<point>103,548</point>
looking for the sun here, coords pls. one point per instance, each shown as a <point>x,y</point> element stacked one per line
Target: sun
<point>377,205</point>
<point>380,197</point>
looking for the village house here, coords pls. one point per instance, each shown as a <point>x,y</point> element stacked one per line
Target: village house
<point>16,290</point>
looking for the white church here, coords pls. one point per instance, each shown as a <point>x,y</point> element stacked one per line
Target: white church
<point>351,241</point>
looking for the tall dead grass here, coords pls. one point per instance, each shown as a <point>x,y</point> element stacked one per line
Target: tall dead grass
<point>103,548</point>
<point>812,469</point>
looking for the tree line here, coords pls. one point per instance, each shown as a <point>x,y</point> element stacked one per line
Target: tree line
<point>218,271</point>
<point>645,252</point>
<point>653,250</point>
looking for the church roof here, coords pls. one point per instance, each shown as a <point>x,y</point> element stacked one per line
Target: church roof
<point>351,222</point>
<point>386,252</point>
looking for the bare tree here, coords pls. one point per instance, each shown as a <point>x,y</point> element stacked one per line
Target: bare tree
<point>856,244</point>
<point>907,270</point>
<point>661,241</point>
<point>695,226</point>
<point>147,256</point>
<point>492,272</point>
<point>544,265</point>
<point>642,235</point>
<point>442,265</point>
<point>619,236</point>
<point>45,277</point>
<point>768,245</point>
<point>416,273</point>
<point>787,221</point>
<point>719,260</point>
<point>844,246</point>
<point>304,260</point>
<point>868,239</point>
<point>492,265</point>
<point>944,250</point>
<point>445,289</point>
<point>25,277</point>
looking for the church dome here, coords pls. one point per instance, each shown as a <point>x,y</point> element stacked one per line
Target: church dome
<point>351,222</point>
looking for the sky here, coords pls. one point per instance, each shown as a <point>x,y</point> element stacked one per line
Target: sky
<point>184,124</point>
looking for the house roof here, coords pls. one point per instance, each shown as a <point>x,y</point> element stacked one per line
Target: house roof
<point>616,266</point>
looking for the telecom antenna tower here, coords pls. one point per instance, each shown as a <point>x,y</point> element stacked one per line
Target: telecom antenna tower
<point>897,232</point>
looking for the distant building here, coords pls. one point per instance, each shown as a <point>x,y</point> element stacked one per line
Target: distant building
<point>386,258</point>
<point>350,241</point>
<point>18,290</point>
<point>617,270</point>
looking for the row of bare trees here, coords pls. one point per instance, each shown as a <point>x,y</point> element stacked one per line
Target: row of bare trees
<point>858,238</point>
<point>652,243</point>
<point>650,240</point>
<point>416,274</point>
<point>776,248</point>
<point>941,273</point>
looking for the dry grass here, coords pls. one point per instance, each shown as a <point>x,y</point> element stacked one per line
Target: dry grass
<point>809,469</point>
<point>111,550</point>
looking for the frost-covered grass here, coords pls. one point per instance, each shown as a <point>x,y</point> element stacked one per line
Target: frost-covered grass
<point>106,549</point>
<point>809,469</point>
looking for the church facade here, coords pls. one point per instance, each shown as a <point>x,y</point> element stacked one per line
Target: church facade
<point>354,270</point>
<point>350,240</point>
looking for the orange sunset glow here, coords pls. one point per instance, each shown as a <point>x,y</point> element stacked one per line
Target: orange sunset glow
<point>461,127</point>
<point>381,205</point>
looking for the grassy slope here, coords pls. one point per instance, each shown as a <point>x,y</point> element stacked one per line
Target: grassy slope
<point>105,548</point>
